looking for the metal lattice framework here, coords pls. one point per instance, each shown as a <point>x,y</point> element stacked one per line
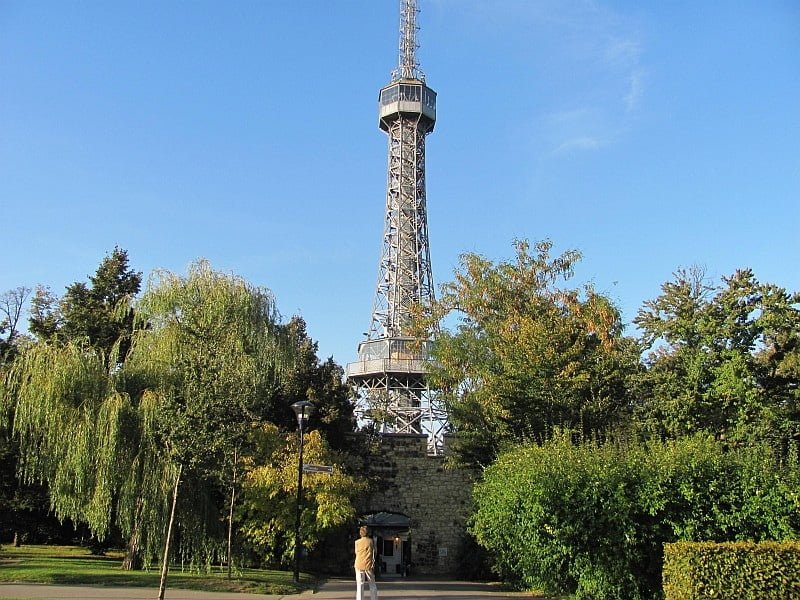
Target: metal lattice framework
<point>404,272</point>
<point>390,374</point>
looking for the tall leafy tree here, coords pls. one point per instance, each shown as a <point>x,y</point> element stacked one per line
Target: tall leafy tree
<point>78,432</point>
<point>724,358</point>
<point>211,348</point>
<point>45,318</point>
<point>88,315</point>
<point>527,353</point>
<point>321,382</point>
<point>266,482</point>
<point>92,312</point>
<point>23,508</point>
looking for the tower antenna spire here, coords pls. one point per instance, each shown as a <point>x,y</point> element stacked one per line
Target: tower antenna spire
<point>408,67</point>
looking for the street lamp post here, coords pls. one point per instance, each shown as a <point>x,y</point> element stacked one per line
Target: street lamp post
<point>302,410</point>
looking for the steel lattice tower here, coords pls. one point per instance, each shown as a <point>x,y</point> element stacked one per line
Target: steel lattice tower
<point>390,373</point>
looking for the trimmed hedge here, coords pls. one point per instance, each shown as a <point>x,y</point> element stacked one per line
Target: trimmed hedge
<point>732,570</point>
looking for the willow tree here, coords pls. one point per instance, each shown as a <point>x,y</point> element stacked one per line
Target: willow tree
<point>77,432</point>
<point>204,361</point>
<point>210,347</point>
<point>86,319</point>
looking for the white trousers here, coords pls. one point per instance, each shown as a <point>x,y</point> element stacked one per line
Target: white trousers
<point>369,576</point>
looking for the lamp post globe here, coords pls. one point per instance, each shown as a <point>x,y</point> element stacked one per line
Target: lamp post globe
<point>302,411</point>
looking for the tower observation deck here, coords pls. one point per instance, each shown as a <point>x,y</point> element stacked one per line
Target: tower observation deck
<point>390,373</point>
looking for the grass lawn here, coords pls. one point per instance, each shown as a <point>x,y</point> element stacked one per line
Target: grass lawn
<point>73,565</point>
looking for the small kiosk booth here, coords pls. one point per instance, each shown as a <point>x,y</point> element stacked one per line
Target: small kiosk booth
<point>392,533</point>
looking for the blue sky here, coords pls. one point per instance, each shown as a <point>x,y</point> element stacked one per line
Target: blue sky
<point>648,135</point>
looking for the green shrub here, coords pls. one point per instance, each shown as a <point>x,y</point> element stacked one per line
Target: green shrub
<point>591,519</point>
<point>697,490</point>
<point>732,571</point>
<point>557,517</point>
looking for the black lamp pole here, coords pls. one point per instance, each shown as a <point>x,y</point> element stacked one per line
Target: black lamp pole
<point>303,410</point>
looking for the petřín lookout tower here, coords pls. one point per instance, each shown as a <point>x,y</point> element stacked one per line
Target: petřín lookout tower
<point>390,373</point>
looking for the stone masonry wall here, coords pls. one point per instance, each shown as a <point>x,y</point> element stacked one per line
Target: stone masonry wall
<point>437,500</point>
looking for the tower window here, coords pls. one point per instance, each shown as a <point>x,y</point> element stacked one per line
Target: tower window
<point>410,92</point>
<point>389,95</point>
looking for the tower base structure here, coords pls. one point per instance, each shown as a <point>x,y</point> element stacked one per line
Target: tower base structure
<point>416,511</point>
<point>419,508</point>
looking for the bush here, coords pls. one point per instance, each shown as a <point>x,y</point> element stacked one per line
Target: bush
<point>766,570</point>
<point>591,519</point>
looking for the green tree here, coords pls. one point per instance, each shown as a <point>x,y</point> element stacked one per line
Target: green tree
<point>88,315</point>
<point>24,507</point>
<point>321,382</point>
<point>723,358</point>
<point>267,511</point>
<point>83,435</point>
<point>527,353</point>
<point>214,348</point>
<point>92,312</point>
<point>45,318</point>
<point>210,346</point>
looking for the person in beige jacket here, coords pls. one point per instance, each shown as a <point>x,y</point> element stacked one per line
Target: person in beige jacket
<point>365,564</point>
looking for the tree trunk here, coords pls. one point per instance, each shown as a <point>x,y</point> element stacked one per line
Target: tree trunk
<point>17,542</point>
<point>230,516</point>
<point>165,561</point>
<point>132,560</point>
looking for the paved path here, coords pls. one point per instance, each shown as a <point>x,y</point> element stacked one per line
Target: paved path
<point>423,589</point>
<point>333,589</point>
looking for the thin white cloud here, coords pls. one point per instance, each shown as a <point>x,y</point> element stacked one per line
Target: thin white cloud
<point>606,49</point>
<point>581,143</point>
<point>635,90</point>
<point>577,130</point>
<point>622,52</point>
<point>590,52</point>
<point>570,117</point>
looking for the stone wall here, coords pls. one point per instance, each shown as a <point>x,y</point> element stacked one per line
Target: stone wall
<point>437,500</point>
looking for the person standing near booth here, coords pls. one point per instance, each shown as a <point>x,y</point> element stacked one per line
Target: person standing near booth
<point>365,565</point>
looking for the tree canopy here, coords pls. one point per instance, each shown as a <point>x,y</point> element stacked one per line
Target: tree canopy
<point>527,353</point>
<point>266,514</point>
<point>589,519</point>
<point>723,358</point>
<point>320,382</point>
<point>94,312</point>
<point>211,346</point>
